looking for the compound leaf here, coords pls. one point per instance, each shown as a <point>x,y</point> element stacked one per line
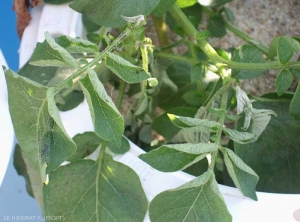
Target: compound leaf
<point>248,54</point>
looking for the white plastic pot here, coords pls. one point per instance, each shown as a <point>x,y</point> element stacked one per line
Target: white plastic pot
<point>61,20</point>
<point>6,129</point>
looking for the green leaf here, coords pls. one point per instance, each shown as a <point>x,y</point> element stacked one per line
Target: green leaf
<point>108,13</point>
<point>94,38</point>
<point>198,72</point>
<point>295,104</point>
<point>123,148</point>
<point>163,124</point>
<point>194,124</point>
<point>162,7</point>
<point>108,122</point>
<point>229,14</point>
<point>124,69</point>
<point>185,3</point>
<point>89,25</point>
<point>49,53</point>
<point>34,185</point>
<point>76,45</point>
<point>283,47</point>
<point>239,137</point>
<point>37,125</point>
<point>20,166</point>
<point>247,54</point>
<point>71,101</point>
<point>41,75</point>
<point>198,200</point>
<point>273,48</point>
<point>216,26</point>
<point>276,153</point>
<point>145,134</point>
<point>174,157</point>
<point>193,97</point>
<point>203,35</point>
<point>283,81</point>
<point>242,175</point>
<point>213,3</point>
<point>95,191</point>
<point>86,144</point>
<point>284,50</point>
<point>57,2</point>
<point>169,160</point>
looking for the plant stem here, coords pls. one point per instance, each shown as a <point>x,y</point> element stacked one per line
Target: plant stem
<point>191,31</point>
<point>121,94</point>
<point>240,33</point>
<point>161,30</point>
<point>172,45</point>
<point>223,106</point>
<point>98,58</point>
<point>247,38</point>
<point>193,55</point>
<point>233,64</point>
<point>183,21</point>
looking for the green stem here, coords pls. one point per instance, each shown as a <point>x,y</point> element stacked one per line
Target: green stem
<point>161,30</point>
<point>240,33</point>
<point>191,31</point>
<point>122,88</point>
<point>233,64</point>
<point>184,59</point>
<point>247,38</point>
<point>172,45</point>
<point>96,61</point>
<point>193,55</point>
<point>223,106</point>
<point>192,50</point>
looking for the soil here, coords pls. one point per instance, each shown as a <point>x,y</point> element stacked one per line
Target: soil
<point>262,20</point>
